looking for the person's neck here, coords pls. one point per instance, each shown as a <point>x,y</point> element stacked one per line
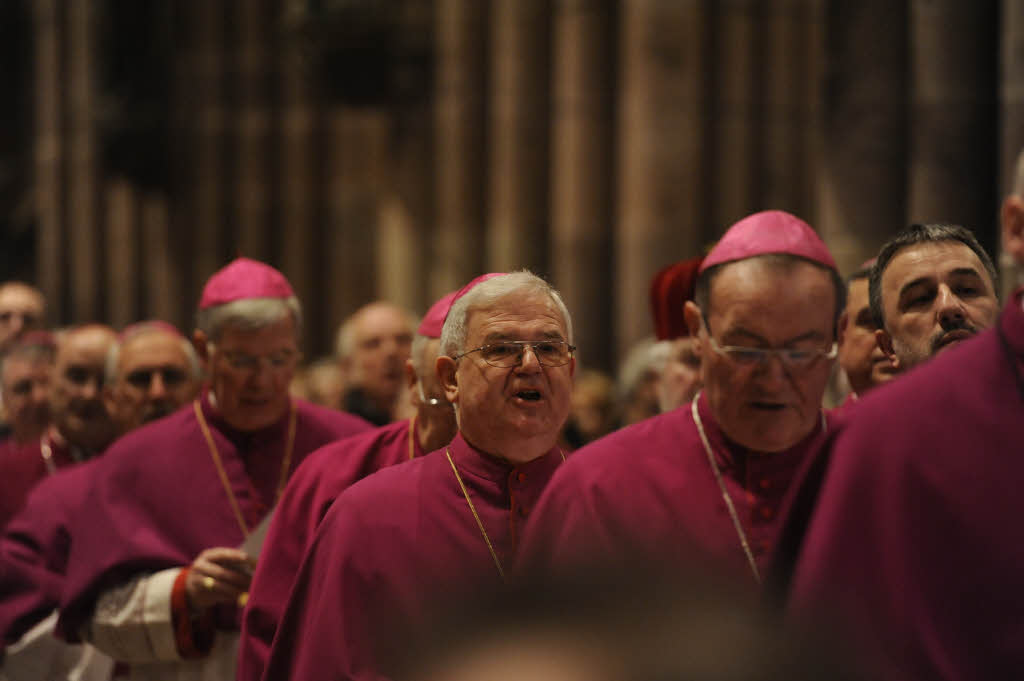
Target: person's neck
<point>515,453</point>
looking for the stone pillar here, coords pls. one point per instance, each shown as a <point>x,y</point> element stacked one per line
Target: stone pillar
<point>122,275</point>
<point>1012,114</point>
<point>581,179</point>
<point>734,165</point>
<point>208,138</point>
<point>660,151</point>
<point>517,222</point>
<point>83,232</point>
<point>163,281</point>
<point>953,124</point>
<point>48,153</point>
<point>252,127</point>
<point>460,105</point>
<point>862,183</point>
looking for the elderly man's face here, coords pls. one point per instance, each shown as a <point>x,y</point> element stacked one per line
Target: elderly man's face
<point>26,390</point>
<point>934,295</point>
<point>766,406</point>
<point>21,310</point>
<point>250,371</point>
<point>859,354</point>
<point>76,400</point>
<point>517,412</point>
<point>154,377</point>
<point>383,338</point>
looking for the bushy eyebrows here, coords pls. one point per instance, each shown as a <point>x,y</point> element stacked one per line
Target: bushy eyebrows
<point>499,336</point>
<point>968,272</point>
<point>746,334</point>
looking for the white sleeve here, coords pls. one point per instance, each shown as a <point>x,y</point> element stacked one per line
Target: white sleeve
<point>133,622</point>
<point>39,654</point>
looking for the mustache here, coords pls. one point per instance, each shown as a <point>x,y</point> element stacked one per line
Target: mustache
<point>954,325</point>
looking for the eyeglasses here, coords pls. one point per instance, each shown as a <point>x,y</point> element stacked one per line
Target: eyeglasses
<point>283,359</point>
<point>508,354</point>
<point>793,358</point>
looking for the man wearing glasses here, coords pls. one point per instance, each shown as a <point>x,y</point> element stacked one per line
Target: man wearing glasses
<point>413,533</point>
<point>706,481</point>
<point>154,575</point>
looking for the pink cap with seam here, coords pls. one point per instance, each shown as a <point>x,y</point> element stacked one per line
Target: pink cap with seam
<point>244,279</point>
<point>770,231</point>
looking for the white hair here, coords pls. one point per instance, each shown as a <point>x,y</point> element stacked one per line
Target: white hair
<point>114,352</point>
<point>249,314</point>
<point>486,294</point>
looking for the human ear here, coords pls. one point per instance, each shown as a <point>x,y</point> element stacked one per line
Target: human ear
<point>446,375</point>
<point>884,341</point>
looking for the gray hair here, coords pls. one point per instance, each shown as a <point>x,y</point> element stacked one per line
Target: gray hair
<point>916,234</point>
<point>110,368</point>
<point>249,314</point>
<point>487,293</point>
<point>33,350</point>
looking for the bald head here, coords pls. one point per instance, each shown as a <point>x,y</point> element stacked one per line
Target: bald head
<point>373,345</point>
<point>22,309</point>
<point>76,396</point>
<point>150,373</point>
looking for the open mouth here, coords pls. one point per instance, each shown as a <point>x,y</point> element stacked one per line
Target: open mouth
<point>768,406</point>
<point>529,395</point>
<point>954,337</point>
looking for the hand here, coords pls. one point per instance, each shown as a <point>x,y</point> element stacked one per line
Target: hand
<point>218,575</point>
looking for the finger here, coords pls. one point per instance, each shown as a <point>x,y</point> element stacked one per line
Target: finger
<point>224,554</point>
<point>206,591</point>
<point>223,575</point>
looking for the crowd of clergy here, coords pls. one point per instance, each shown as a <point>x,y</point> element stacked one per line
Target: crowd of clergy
<point>451,497</point>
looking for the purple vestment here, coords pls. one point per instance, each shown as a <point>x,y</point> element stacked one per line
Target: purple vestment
<point>649,490</point>
<point>157,499</point>
<point>21,467</point>
<point>916,545</point>
<point>34,550</point>
<point>310,493</point>
<point>393,542</point>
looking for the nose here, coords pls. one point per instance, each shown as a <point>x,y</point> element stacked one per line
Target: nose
<point>157,387</point>
<point>950,308</point>
<point>772,370</point>
<point>528,362</point>
<point>91,388</point>
<point>40,393</point>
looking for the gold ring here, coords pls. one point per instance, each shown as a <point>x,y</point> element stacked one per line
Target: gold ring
<point>208,582</point>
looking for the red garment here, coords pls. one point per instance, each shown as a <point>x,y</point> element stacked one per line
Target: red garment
<point>310,493</point>
<point>34,550</point>
<point>916,545</point>
<point>21,467</point>
<point>649,489</point>
<point>157,500</point>
<point>390,544</point>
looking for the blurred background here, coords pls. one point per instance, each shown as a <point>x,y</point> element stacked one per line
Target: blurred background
<point>396,148</point>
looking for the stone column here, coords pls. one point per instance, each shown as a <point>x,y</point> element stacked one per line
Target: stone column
<point>862,184</point>
<point>208,138</point>
<point>252,129</point>
<point>1012,114</point>
<point>581,180</point>
<point>123,274</point>
<point>660,151</point>
<point>953,124</point>
<point>460,132</point>
<point>517,222</point>
<point>48,153</point>
<point>735,162</point>
<point>83,233</point>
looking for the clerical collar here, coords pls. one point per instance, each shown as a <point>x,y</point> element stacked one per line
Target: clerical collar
<point>471,460</point>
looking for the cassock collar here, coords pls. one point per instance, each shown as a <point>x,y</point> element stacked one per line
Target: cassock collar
<point>241,438</point>
<point>472,463</point>
<point>734,457</point>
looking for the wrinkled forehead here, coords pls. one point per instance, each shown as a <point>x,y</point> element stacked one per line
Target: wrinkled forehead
<point>84,347</point>
<point>932,261</point>
<point>20,299</point>
<point>515,314</point>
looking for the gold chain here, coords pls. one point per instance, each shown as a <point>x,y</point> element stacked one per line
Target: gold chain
<point>472,508</point>
<point>725,492</point>
<point>215,455</point>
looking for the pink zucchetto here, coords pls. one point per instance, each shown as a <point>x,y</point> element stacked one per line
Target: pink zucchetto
<point>770,231</point>
<point>244,279</point>
<point>433,321</point>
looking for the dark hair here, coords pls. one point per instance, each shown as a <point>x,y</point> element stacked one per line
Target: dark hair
<point>917,234</point>
<point>702,290</point>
